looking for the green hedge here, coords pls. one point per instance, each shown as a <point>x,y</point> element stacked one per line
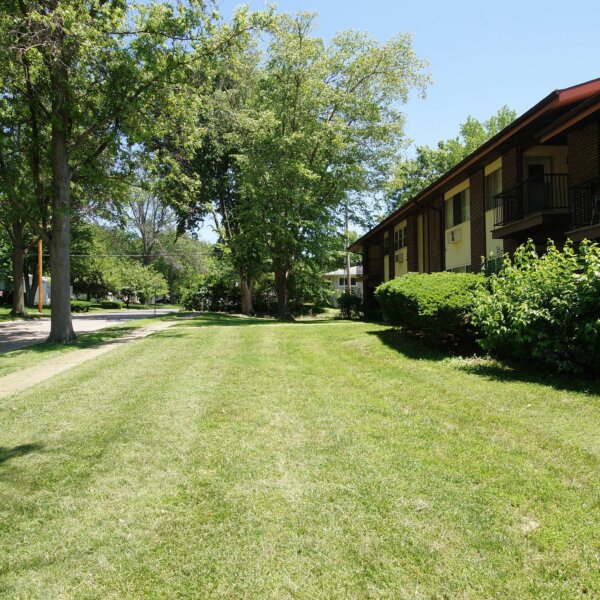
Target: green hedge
<point>79,306</point>
<point>437,305</point>
<point>111,304</point>
<point>544,307</point>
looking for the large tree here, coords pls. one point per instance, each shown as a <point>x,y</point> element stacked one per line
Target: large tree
<point>330,134</point>
<point>416,173</point>
<point>93,74</point>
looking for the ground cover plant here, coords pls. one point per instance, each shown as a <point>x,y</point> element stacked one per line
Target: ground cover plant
<point>231,458</point>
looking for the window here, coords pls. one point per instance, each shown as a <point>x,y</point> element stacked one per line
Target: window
<point>401,238</point>
<point>463,269</point>
<point>457,209</point>
<point>342,281</point>
<point>493,186</point>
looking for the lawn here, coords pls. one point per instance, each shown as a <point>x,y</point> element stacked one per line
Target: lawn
<point>39,353</point>
<point>235,458</point>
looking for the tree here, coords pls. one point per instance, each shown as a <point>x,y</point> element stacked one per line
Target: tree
<point>329,133</point>
<point>415,174</point>
<point>94,74</point>
<point>131,280</point>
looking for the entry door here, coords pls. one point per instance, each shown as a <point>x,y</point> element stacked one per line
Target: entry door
<point>538,193</point>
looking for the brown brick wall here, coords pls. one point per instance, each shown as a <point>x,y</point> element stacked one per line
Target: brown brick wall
<point>413,244</point>
<point>390,255</point>
<point>512,174</point>
<point>436,228</point>
<point>512,168</point>
<point>477,185</point>
<point>584,153</point>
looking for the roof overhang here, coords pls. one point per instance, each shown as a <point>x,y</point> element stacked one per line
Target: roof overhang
<point>555,101</point>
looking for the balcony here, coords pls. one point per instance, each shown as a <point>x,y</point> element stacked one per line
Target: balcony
<point>584,204</point>
<point>541,202</point>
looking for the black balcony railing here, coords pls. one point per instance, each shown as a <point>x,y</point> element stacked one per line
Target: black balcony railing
<point>544,193</point>
<point>584,203</point>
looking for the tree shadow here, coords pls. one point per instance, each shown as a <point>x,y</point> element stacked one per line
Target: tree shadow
<point>16,451</point>
<point>410,346</point>
<point>234,320</point>
<point>493,369</point>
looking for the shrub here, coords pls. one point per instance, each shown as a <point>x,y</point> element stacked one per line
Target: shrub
<point>437,305</point>
<point>79,306</point>
<point>350,304</point>
<point>546,308</point>
<point>111,304</point>
<point>212,292</point>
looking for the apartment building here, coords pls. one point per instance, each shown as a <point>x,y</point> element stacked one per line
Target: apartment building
<point>538,178</point>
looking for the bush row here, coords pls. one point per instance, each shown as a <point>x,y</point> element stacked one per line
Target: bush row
<point>545,308</point>
<point>437,305</point>
<point>79,306</point>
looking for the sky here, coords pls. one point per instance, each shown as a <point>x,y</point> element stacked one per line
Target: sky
<point>482,55</point>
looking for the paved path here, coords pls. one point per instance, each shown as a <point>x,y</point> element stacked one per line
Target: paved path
<point>26,378</point>
<point>21,333</point>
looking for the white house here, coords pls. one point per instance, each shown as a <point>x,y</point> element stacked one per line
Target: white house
<point>338,280</point>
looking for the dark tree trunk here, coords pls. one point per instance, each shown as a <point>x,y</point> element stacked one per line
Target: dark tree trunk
<point>61,328</point>
<point>283,313</point>
<point>18,257</point>
<point>246,290</point>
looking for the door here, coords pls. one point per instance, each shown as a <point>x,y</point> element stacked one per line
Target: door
<point>538,190</point>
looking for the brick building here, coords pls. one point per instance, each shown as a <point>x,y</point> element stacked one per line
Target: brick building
<point>538,178</point>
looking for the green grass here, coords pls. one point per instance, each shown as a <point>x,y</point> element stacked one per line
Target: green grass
<point>39,353</point>
<point>32,313</point>
<point>244,458</point>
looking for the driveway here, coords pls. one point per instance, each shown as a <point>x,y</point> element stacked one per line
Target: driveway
<point>21,333</point>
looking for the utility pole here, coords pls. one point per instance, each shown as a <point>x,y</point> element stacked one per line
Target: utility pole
<point>40,283</point>
<point>347,233</point>
<point>155,285</point>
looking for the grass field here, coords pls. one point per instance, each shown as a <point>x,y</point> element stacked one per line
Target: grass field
<point>233,458</point>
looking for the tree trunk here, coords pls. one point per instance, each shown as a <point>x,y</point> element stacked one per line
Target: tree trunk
<point>18,256</point>
<point>246,290</point>
<point>61,327</point>
<point>283,313</point>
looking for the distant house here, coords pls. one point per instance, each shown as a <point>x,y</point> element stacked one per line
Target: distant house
<point>538,178</point>
<point>338,280</point>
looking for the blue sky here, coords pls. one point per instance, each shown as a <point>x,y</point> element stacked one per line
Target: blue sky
<point>481,55</point>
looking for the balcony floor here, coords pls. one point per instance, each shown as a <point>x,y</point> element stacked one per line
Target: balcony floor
<point>532,222</point>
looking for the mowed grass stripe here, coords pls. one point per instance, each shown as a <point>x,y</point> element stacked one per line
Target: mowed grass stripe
<point>107,460</point>
<point>298,461</point>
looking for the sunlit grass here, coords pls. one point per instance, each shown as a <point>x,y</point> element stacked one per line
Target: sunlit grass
<point>328,460</point>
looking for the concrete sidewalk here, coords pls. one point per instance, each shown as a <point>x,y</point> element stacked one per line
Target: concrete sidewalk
<point>26,378</point>
<point>21,333</point>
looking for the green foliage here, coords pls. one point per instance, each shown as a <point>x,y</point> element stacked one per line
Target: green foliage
<point>415,174</point>
<point>545,307</point>
<point>437,305</point>
<point>213,292</point>
<point>350,304</point>
<point>111,304</point>
<point>79,306</point>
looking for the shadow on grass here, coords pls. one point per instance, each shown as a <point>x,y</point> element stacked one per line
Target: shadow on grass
<point>231,320</point>
<point>84,340</point>
<point>489,368</point>
<point>22,450</point>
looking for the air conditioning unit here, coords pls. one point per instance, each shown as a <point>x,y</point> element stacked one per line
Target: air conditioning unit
<point>400,257</point>
<point>454,236</point>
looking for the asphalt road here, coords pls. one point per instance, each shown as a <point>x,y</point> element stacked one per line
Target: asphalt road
<point>21,333</point>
